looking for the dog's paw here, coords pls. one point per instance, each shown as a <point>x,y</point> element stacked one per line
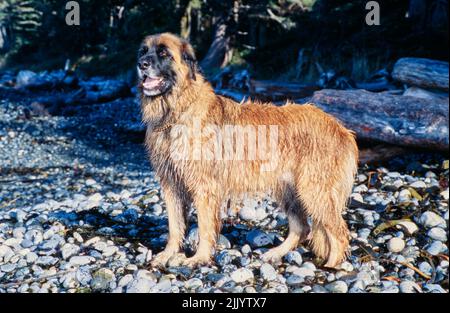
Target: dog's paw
<point>197,260</point>
<point>161,259</point>
<point>272,256</point>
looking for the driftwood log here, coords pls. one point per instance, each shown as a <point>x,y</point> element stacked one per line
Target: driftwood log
<point>267,90</point>
<point>424,73</point>
<point>399,120</point>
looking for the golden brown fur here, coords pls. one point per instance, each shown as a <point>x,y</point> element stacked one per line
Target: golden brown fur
<point>312,178</point>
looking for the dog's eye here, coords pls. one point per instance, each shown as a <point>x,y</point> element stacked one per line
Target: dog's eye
<point>162,52</point>
<point>143,51</point>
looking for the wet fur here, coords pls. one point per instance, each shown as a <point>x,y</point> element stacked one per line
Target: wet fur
<point>313,178</point>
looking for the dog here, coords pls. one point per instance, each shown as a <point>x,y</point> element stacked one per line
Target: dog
<point>310,176</point>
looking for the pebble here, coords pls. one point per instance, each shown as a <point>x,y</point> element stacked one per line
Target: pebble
<point>346,266</point>
<point>408,286</point>
<point>295,280</point>
<point>396,245</point>
<point>125,280</point>
<point>257,238</point>
<point>435,248</point>
<point>247,213</point>
<point>434,288</point>
<point>294,257</point>
<point>337,287</point>
<point>430,219</point>
<point>81,260</point>
<point>103,279</point>
<point>418,185</point>
<point>267,271</point>
<point>437,233</point>
<point>69,250</point>
<point>223,258</point>
<point>242,275</point>
<point>8,268</point>
<point>46,260</point>
<point>140,285</point>
<point>193,284</point>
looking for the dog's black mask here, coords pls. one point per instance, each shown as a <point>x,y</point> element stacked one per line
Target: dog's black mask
<point>155,70</point>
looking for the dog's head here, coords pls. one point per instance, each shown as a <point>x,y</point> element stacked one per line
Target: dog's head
<point>165,62</point>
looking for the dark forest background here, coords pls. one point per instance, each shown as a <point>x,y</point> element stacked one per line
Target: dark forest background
<point>288,40</point>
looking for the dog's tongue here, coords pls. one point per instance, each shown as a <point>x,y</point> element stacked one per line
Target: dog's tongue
<point>150,83</point>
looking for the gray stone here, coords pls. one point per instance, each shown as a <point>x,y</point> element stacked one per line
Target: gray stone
<point>163,286</point>
<point>69,250</point>
<point>125,280</point>
<point>294,257</point>
<point>257,238</point>
<point>267,271</point>
<point>396,245</point>
<point>223,258</point>
<point>83,275</point>
<point>193,284</point>
<point>295,280</point>
<point>46,260</point>
<point>437,233</point>
<point>242,275</point>
<point>31,257</point>
<point>337,287</point>
<point>140,285</point>
<point>247,213</point>
<point>81,260</point>
<point>435,248</point>
<point>103,279</point>
<point>430,219</point>
<point>8,268</point>
<point>434,288</point>
<point>418,185</point>
<point>408,286</point>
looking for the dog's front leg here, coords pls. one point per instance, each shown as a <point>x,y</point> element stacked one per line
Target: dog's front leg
<point>208,215</point>
<point>176,205</point>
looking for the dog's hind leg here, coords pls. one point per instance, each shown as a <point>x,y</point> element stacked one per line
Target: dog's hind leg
<point>324,198</point>
<point>298,226</point>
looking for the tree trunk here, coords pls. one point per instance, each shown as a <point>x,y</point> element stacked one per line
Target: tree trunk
<point>400,120</point>
<point>5,40</point>
<point>219,53</point>
<point>422,73</point>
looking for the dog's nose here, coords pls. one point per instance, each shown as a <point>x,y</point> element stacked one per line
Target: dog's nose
<point>143,65</point>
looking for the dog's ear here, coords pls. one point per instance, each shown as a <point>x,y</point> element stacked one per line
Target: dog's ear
<point>188,56</point>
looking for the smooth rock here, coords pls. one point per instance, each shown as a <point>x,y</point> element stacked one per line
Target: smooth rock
<point>257,238</point>
<point>408,286</point>
<point>396,245</point>
<point>81,260</point>
<point>242,275</point>
<point>337,287</point>
<point>430,219</point>
<point>140,285</point>
<point>103,279</point>
<point>435,248</point>
<point>437,233</point>
<point>294,257</point>
<point>267,271</point>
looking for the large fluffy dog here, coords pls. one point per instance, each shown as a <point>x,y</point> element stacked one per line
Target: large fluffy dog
<point>310,170</point>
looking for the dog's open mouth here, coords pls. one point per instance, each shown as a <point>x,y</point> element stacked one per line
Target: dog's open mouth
<point>151,83</point>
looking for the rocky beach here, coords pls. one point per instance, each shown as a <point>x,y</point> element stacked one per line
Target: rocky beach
<point>82,211</point>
